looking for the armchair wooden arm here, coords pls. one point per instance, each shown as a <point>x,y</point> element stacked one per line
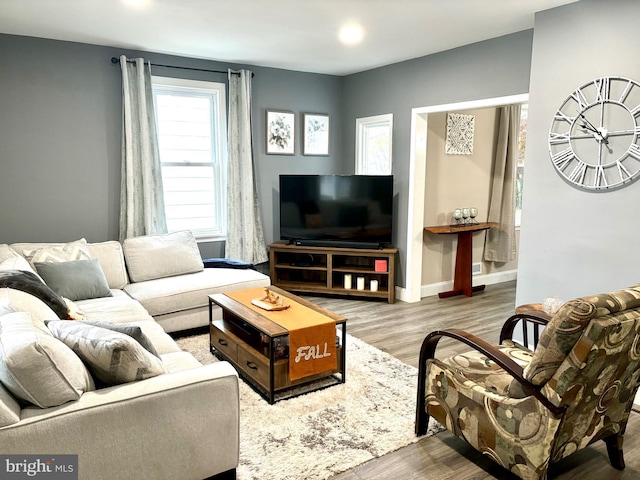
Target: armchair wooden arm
<point>505,362</point>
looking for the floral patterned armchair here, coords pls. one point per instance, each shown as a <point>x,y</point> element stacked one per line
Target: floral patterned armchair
<point>527,409</point>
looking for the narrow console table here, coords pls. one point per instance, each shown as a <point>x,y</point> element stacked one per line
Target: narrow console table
<point>462,277</point>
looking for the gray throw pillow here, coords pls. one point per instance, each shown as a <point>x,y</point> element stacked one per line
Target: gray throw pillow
<point>134,331</point>
<point>75,280</point>
<point>112,357</point>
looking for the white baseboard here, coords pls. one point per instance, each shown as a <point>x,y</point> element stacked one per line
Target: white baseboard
<point>487,279</point>
<point>435,288</point>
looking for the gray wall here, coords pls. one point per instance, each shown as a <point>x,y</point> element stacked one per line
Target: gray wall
<point>575,242</point>
<point>60,130</point>
<point>490,69</point>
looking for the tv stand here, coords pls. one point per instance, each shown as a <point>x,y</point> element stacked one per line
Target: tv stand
<point>322,269</point>
<point>338,244</point>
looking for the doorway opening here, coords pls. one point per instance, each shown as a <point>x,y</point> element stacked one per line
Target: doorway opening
<point>417,180</point>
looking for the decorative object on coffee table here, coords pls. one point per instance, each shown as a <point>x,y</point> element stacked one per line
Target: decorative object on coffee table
<point>270,301</point>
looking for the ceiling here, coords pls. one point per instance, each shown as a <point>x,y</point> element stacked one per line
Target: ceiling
<point>290,34</point>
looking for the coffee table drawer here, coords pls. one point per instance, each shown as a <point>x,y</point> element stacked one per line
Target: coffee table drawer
<point>256,367</point>
<point>221,342</point>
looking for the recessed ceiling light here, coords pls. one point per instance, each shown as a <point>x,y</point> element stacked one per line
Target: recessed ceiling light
<point>136,3</point>
<point>351,34</point>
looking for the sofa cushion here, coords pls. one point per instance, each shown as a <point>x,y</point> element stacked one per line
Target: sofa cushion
<point>158,256</point>
<point>30,283</point>
<point>121,308</point>
<point>161,340</point>
<point>134,331</point>
<point>179,361</point>
<point>75,280</point>
<point>36,367</point>
<point>111,258</point>
<point>9,408</point>
<point>118,308</point>
<point>112,357</point>
<point>174,294</point>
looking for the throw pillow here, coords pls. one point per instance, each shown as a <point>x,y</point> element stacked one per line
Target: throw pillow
<point>157,256</point>
<point>30,283</point>
<point>7,252</point>
<point>75,280</point>
<point>36,367</point>
<point>112,357</point>
<point>62,253</point>
<point>16,263</point>
<point>20,301</point>
<point>134,331</point>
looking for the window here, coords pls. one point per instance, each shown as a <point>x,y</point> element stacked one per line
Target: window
<point>191,123</point>
<point>373,145</point>
<point>522,144</point>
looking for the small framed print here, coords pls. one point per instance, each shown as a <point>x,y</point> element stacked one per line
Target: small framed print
<point>315,134</point>
<point>281,129</point>
<point>459,134</point>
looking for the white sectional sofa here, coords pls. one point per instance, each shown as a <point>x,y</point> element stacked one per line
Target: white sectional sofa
<point>165,273</point>
<point>62,390</point>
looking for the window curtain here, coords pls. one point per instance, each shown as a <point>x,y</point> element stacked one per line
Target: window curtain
<point>500,242</point>
<point>141,195</point>
<point>245,238</point>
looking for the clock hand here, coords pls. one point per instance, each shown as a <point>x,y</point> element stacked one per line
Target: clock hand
<point>589,126</point>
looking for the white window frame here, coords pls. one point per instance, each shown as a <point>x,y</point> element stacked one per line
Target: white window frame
<point>219,139</point>
<point>362,149</point>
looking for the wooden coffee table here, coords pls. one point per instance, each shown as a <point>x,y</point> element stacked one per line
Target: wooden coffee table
<point>257,347</point>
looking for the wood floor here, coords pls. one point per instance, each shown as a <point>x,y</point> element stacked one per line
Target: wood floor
<point>399,329</point>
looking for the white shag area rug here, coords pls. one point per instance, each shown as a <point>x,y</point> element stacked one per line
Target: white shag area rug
<point>325,432</point>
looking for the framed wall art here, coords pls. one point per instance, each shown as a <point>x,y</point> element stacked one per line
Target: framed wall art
<point>459,134</point>
<point>315,134</point>
<point>281,129</point>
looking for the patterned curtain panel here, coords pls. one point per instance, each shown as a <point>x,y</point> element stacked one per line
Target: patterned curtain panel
<point>500,242</point>
<point>141,194</point>
<point>245,238</point>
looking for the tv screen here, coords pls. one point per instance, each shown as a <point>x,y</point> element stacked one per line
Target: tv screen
<point>339,210</point>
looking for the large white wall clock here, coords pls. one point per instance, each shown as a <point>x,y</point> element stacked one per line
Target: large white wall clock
<point>594,139</point>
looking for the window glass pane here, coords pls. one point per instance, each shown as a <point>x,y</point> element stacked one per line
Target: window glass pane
<point>376,151</point>
<point>191,137</point>
<point>373,145</point>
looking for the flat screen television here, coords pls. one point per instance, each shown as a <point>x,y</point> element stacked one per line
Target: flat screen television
<point>337,210</point>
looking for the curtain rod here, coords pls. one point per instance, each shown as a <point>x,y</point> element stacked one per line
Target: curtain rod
<point>115,60</point>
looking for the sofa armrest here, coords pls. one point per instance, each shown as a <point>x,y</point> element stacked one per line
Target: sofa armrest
<point>177,425</point>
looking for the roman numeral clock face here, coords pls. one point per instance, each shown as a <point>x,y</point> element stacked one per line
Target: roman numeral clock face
<point>594,140</point>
